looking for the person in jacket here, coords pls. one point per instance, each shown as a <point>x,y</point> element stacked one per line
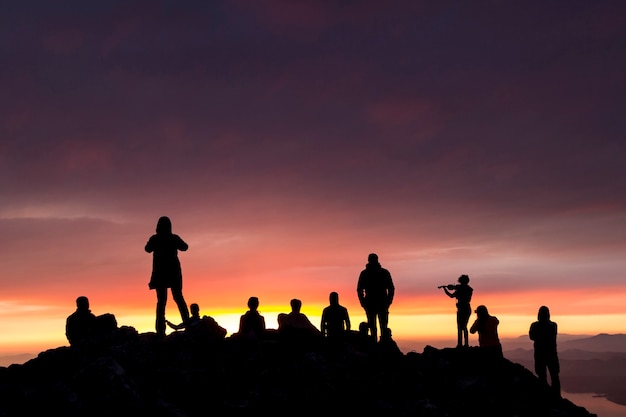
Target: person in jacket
<point>487,327</point>
<point>543,334</point>
<point>166,271</point>
<point>375,290</point>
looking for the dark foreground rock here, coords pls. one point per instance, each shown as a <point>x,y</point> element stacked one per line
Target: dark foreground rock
<point>139,374</point>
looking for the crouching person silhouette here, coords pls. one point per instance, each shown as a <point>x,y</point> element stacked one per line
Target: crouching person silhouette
<point>487,327</point>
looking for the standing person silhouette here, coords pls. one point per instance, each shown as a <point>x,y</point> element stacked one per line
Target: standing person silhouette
<point>166,271</point>
<point>543,334</point>
<point>335,318</point>
<point>463,294</point>
<point>375,290</point>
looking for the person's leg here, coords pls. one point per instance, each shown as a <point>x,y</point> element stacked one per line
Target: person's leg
<point>160,310</point>
<point>554,369</point>
<point>177,295</point>
<point>371,322</point>
<point>540,367</point>
<point>459,329</point>
<point>383,319</point>
<point>462,320</point>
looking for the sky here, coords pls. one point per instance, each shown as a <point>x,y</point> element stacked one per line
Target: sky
<point>287,140</point>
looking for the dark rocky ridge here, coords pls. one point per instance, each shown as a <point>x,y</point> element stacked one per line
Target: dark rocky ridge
<point>138,374</point>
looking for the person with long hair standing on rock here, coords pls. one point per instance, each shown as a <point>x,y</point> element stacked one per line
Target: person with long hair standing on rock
<point>166,271</point>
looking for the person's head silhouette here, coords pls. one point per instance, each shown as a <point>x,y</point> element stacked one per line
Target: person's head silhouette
<point>164,225</point>
<point>253,303</point>
<point>296,305</point>
<point>333,298</point>
<point>464,279</point>
<point>543,314</point>
<point>195,310</point>
<point>482,312</point>
<point>82,303</point>
<point>372,258</point>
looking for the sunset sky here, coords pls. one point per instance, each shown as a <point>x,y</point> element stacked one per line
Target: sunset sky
<point>287,140</point>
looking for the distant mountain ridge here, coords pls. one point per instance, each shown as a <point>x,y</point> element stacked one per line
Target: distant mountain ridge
<point>602,342</point>
<point>594,364</point>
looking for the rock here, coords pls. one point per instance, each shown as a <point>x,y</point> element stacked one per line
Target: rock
<point>135,374</point>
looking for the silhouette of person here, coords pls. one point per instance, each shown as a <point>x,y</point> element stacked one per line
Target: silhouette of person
<point>487,327</point>
<point>193,319</point>
<point>80,325</point>
<point>252,323</point>
<point>375,290</point>
<point>200,327</point>
<point>335,318</point>
<point>463,294</point>
<point>166,270</point>
<point>543,334</point>
<point>364,328</point>
<point>296,323</point>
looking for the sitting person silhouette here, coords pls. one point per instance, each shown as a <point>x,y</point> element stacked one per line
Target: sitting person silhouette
<point>487,327</point>
<point>252,323</point>
<point>543,333</point>
<point>335,318</point>
<point>193,319</point>
<point>202,327</point>
<point>463,294</point>
<point>82,327</point>
<point>296,324</point>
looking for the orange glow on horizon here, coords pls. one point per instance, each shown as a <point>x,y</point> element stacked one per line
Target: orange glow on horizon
<point>41,323</point>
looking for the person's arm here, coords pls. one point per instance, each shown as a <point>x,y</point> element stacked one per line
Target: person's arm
<point>360,290</point>
<point>242,320</point>
<point>391,290</point>
<point>450,294</point>
<point>323,323</point>
<point>474,327</point>
<point>347,319</point>
<point>308,323</point>
<point>150,245</point>
<point>181,244</point>
<point>532,332</point>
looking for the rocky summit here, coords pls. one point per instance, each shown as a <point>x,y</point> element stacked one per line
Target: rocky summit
<point>132,374</point>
